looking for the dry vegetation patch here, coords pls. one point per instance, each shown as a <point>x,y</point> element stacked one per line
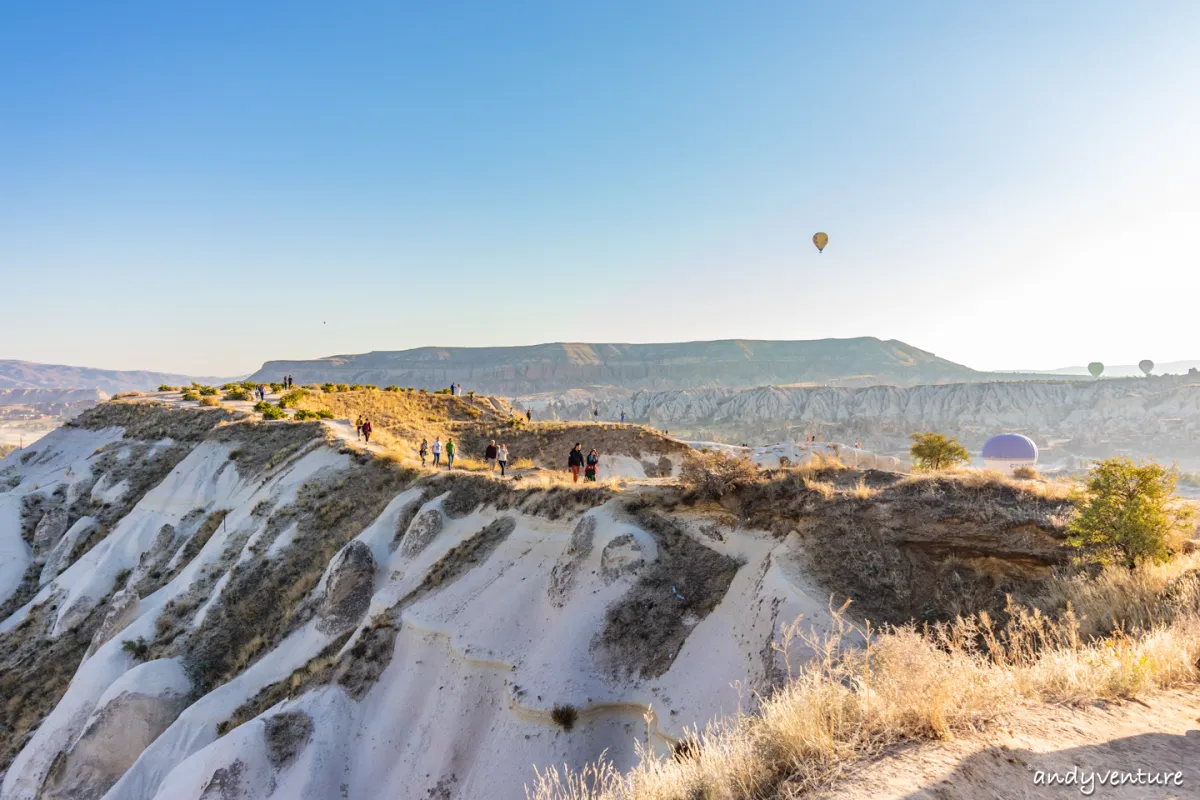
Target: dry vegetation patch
<point>264,599</point>
<point>35,672</point>
<point>645,629</point>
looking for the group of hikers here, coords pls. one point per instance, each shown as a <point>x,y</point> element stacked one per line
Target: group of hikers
<point>449,449</point>
<point>363,426</point>
<point>577,461</point>
<point>497,455</point>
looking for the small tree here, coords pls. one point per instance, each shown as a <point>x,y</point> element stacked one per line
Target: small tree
<point>1127,513</point>
<point>933,451</point>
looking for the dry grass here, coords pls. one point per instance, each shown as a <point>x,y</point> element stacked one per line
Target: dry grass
<point>853,699</point>
<point>1048,489</point>
<point>401,419</point>
<point>1131,600</point>
<point>209,400</point>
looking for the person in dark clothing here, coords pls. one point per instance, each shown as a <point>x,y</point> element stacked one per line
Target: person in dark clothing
<point>424,450</point>
<point>528,415</point>
<point>366,430</point>
<point>593,463</point>
<point>489,454</point>
<point>575,461</point>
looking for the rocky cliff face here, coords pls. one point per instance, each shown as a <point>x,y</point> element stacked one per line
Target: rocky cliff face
<point>517,371</point>
<point>1156,416</point>
<point>198,606</point>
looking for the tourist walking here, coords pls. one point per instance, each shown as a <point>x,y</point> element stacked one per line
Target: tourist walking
<point>489,454</point>
<point>437,451</point>
<point>366,430</point>
<point>358,426</point>
<point>529,415</point>
<point>502,458</point>
<point>622,415</point>
<point>593,463</point>
<point>575,461</point>
<point>424,450</point>
<point>449,454</point>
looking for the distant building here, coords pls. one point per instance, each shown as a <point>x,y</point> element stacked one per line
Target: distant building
<point>1007,451</point>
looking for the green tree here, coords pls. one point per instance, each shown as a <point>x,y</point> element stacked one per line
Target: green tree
<point>933,451</point>
<point>1128,513</point>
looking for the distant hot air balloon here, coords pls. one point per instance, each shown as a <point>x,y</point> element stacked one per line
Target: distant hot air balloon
<point>820,240</point>
<point>1145,365</point>
<point>1096,368</point>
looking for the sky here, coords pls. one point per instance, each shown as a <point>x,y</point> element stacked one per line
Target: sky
<point>201,187</point>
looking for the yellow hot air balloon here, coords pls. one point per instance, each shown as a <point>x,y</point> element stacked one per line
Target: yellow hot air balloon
<point>820,240</point>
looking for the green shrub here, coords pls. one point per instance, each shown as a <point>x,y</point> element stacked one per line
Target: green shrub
<point>261,405</point>
<point>209,400</point>
<point>304,414</point>
<point>238,393</point>
<point>442,391</point>
<point>356,387</point>
<point>342,387</point>
<point>293,398</point>
<point>372,387</point>
<point>190,394</point>
<point>138,649</point>
<point>564,716</point>
<point>328,388</point>
<point>276,388</point>
<point>392,388</point>
<point>165,388</point>
<point>1128,514</point>
<point>272,412</point>
<point>207,391</point>
<point>249,385</point>
<point>933,451</point>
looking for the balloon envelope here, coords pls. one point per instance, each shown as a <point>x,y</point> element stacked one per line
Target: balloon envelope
<point>820,240</point>
<point>1145,365</point>
<point>1095,368</point>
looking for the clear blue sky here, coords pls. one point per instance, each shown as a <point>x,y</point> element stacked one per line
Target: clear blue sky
<point>199,187</point>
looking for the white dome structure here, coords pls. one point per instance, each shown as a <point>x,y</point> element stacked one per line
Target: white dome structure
<point>1007,451</point>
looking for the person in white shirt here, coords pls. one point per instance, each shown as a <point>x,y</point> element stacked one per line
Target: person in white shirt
<point>437,451</point>
<point>502,458</point>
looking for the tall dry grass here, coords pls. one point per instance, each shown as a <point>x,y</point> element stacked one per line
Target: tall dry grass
<point>865,690</point>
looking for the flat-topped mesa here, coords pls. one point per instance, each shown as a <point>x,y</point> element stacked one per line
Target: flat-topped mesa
<point>516,371</point>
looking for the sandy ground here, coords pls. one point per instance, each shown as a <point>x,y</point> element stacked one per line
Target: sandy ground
<point>1160,737</point>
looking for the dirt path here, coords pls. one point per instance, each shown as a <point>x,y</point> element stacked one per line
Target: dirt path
<point>1159,736</point>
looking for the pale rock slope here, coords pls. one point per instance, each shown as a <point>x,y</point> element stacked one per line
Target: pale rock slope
<point>1158,416</point>
<point>194,606</point>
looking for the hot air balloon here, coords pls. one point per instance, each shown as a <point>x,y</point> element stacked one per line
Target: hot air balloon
<point>1145,365</point>
<point>1096,368</point>
<point>820,240</point>
<point>1007,451</point>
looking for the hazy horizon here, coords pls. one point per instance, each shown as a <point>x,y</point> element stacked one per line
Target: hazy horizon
<point>200,190</point>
